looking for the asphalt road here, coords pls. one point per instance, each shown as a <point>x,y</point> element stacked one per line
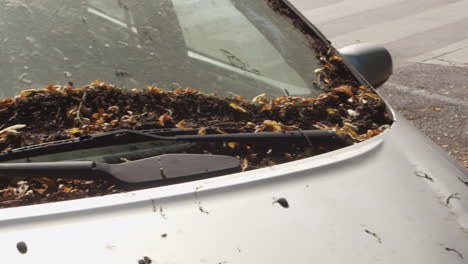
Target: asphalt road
<point>429,43</point>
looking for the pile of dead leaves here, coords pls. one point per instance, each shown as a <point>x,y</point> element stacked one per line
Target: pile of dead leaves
<point>64,112</point>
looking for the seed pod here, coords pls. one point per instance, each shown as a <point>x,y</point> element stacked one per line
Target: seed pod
<point>114,109</point>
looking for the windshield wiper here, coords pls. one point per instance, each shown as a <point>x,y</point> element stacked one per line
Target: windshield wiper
<point>310,137</point>
<point>169,168</point>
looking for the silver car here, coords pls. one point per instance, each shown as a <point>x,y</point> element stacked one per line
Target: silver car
<point>389,196</point>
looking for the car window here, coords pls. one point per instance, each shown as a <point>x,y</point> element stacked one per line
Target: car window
<point>221,32</point>
<point>224,47</point>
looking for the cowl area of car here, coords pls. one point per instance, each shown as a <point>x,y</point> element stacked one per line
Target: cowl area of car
<point>344,205</point>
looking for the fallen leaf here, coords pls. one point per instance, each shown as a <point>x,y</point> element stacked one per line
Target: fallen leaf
<point>233,145</point>
<point>221,131</point>
<point>13,128</point>
<point>42,185</point>
<point>345,89</point>
<point>165,118</point>
<point>336,58</point>
<point>182,124</point>
<point>75,130</point>
<point>237,108</point>
<point>260,99</point>
<point>153,89</point>
<point>201,131</point>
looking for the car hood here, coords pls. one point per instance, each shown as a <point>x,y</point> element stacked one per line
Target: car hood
<point>396,198</point>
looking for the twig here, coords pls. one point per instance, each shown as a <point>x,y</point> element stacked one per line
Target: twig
<point>78,113</point>
<point>306,137</point>
<point>423,175</point>
<point>455,251</point>
<point>374,235</point>
<point>9,120</point>
<point>465,182</point>
<point>57,115</point>
<point>452,196</point>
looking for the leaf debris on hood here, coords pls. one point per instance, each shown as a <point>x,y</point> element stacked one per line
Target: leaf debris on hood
<point>358,113</point>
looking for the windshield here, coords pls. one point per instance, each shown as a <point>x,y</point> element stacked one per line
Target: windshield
<point>227,47</point>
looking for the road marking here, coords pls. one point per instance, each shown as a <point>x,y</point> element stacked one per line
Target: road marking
<point>424,93</point>
<point>379,15</point>
<point>342,9</point>
<point>457,46</point>
<point>394,30</point>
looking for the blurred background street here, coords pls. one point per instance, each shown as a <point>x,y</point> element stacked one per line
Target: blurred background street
<point>429,43</point>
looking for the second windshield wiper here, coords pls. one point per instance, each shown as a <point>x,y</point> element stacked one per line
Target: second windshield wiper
<point>310,137</point>
<point>166,168</point>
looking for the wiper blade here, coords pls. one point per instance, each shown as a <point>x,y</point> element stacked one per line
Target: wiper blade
<point>169,168</point>
<point>311,137</point>
<point>96,140</point>
<point>307,136</point>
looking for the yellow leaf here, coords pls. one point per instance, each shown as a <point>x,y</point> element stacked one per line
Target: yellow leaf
<point>153,89</point>
<point>182,124</point>
<point>335,58</point>
<point>250,125</point>
<point>95,83</point>
<point>271,126</point>
<point>238,108</point>
<point>233,145</point>
<point>221,131</point>
<point>74,130</point>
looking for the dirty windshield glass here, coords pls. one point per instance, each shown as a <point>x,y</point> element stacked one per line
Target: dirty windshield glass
<point>227,47</point>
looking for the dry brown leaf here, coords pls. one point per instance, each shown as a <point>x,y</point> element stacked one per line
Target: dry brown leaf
<point>44,184</point>
<point>201,131</point>
<point>7,101</point>
<point>182,124</point>
<point>345,89</point>
<point>267,107</point>
<point>153,89</point>
<point>164,119</point>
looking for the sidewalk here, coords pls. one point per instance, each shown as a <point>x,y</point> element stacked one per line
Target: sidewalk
<point>455,54</point>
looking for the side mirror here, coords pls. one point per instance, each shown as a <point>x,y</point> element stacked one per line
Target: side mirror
<point>372,61</point>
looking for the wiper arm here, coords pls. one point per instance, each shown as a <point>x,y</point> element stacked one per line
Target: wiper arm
<point>314,137</point>
<point>307,136</point>
<point>169,168</point>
